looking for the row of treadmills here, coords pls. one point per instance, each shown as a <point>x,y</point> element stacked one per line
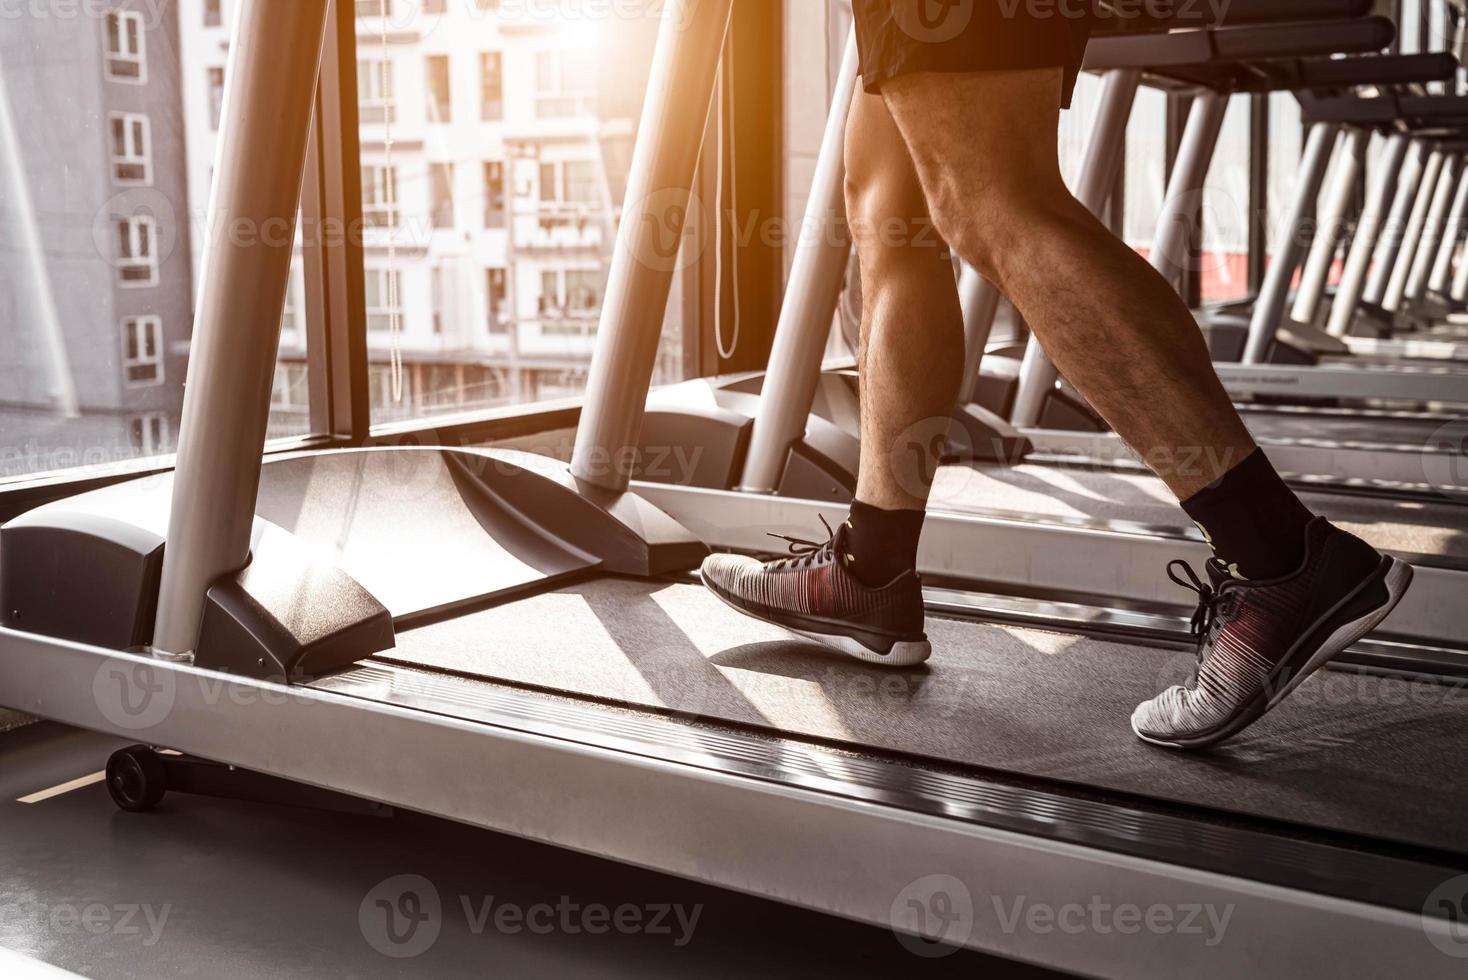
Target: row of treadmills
<point>519,643</point>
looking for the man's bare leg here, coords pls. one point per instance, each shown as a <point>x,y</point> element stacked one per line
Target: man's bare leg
<point>985,149</point>
<point>911,355</point>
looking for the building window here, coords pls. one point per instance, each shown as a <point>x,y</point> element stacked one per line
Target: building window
<point>499,319</point>
<point>216,95</point>
<point>131,149</point>
<point>384,299</point>
<point>149,434</point>
<point>291,389</point>
<point>212,16</point>
<point>440,95</point>
<point>374,8</point>
<point>127,50</point>
<point>375,87</point>
<point>570,292</point>
<point>290,321</point>
<point>380,196</point>
<point>570,182</point>
<point>441,180</point>
<point>137,255</point>
<point>492,86</point>
<point>142,351</point>
<point>564,85</point>
<point>495,209</point>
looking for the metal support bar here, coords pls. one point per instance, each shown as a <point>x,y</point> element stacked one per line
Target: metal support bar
<point>1098,174</point>
<point>816,277</point>
<point>1177,222</point>
<point>979,300</point>
<point>1442,269</point>
<point>1269,308</point>
<point>1389,240</point>
<point>1460,278</point>
<point>1437,216</point>
<point>1368,233</point>
<point>1396,289</point>
<point>270,88</point>
<point>1350,161</point>
<point>680,95</point>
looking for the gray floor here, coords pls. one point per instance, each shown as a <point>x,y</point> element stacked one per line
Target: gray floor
<point>214,889</point>
<point>1348,752</point>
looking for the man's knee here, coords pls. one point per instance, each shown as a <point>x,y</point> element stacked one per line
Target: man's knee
<point>888,216</point>
<point>991,226</point>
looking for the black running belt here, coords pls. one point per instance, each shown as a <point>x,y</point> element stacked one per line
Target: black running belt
<point>1348,752</point>
<point>1043,491</point>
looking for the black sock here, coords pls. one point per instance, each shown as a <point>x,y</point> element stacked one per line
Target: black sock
<point>879,544</point>
<point>1254,522</point>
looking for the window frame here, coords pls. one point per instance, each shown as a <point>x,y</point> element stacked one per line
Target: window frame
<point>136,241</point>
<point>154,325</point>
<point>139,57</point>
<point>130,156</point>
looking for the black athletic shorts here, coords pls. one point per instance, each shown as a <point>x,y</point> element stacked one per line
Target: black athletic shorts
<point>903,37</point>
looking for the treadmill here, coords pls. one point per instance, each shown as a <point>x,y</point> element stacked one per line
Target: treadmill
<point>493,638</point>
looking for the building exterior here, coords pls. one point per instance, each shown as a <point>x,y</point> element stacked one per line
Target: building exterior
<point>94,240</point>
<point>489,223</point>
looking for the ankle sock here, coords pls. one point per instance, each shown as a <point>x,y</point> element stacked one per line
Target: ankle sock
<point>1253,520</point>
<point>879,545</point>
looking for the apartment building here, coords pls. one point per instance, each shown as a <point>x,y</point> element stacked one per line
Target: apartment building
<point>96,256</point>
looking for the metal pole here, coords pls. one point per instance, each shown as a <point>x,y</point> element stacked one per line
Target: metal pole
<point>1368,232</point>
<point>1442,269</point>
<point>1389,240</point>
<point>680,95</point>
<point>1396,288</point>
<point>265,125</point>
<point>1274,294</point>
<point>1175,225</point>
<point>1431,238</point>
<point>1350,160</point>
<point>1460,278</point>
<point>819,268</point>
<point>979,300</point>
<point>1098,174</point>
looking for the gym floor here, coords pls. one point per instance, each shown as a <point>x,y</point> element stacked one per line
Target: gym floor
<point>212,888</point>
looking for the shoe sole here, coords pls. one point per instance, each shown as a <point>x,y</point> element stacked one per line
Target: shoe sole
<point>1396,577</point>
<point>904,653</point>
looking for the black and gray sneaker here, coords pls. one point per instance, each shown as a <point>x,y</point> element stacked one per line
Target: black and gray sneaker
<point>1258,641</point>
<point>814,594</point>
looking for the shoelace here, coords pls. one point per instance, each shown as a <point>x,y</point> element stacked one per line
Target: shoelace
<point>804,552</point>
<point>1212,606</point>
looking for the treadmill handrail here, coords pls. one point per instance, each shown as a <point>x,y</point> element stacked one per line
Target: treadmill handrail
<point>1236,13</point>
<point>1158,52</point>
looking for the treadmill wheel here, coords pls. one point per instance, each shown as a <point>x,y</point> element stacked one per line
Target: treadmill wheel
<point>136,779</point>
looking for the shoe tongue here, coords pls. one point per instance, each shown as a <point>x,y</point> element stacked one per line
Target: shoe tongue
<point>1218,574</point>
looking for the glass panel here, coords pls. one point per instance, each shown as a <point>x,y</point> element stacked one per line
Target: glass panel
<point>502,213</point>
<point>1226,210</point>
<point>104,184</point>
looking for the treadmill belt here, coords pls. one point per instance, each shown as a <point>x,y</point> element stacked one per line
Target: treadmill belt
<point>1348,752</point>
<point>1045,490</point>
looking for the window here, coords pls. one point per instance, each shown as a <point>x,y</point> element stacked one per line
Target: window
<point>290,318</point>
<point>492,86</point>
<point>440,97</point>
<point>374,8</point>
<point>380,196</point>
<point>441,180</point>
<point>499,307</point>
<point>149,434</point>
<point>126,47</point>
<point>570,182</point>
<point>570,292</point>
<point>494,194</point>
<point>375,86</point>
<point>137,259</point>
<point>142,351</point>
<point>216,95</point>
<point>384,298</point>
<point>131,153</point>
<point>212,16</point>
<point>564,84</point>
<point>291,389</point>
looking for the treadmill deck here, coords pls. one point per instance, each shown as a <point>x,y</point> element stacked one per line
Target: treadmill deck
<point>1348,752</point>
